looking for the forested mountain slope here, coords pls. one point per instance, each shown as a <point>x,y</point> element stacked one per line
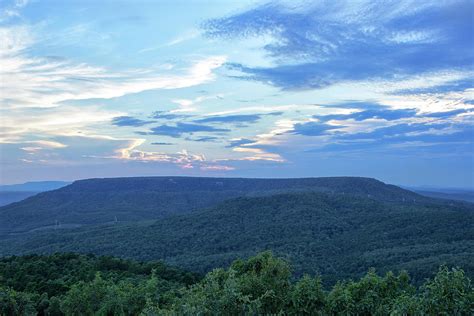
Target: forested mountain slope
<point>338,235</point>
<point>99,201</point>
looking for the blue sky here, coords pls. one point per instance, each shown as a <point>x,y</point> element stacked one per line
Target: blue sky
<point>381,89</point>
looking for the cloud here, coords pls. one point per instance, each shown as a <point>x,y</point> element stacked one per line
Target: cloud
<point>41,145</point>
<point>129,121</point>
<point>19,124</point>
<point>203,139</point>
<point>317,44</point>
<point>162,144</point>
<point>217,168</point>
<point>48,82</point>
<point>186,36</point>
<point>189,105</point>
<point>448,114</point>
<point>243,118</point>
<point>395,130</point>
<point>439,139</point>
<point>256,154</point>
<point>46,143</point>
<point>12,10</point>
<point>167,115</point>
<point>384,114</point>
<point>450,86</point>
<point>182,128</point>
<point>239,142</point>
<point>183,158</point>
<point>313,128</point>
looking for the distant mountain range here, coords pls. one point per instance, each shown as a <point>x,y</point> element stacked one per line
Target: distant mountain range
<point>36,186</point>
<point>449,194</point>
<point>335,226</point>
<point>17,192</point>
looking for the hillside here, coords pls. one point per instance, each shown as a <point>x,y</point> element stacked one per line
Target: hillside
<point>338,235</point>
<point>100,201</point>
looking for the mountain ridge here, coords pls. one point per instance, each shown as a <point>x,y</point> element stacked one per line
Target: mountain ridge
<point>100,201</point>
<point>338,235</point>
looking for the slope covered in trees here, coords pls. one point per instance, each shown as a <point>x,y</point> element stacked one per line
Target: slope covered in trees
<point>261,285</point>
<point>337,235</point>
<point>99,201</point>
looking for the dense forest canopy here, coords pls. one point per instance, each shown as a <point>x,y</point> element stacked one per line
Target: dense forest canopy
<point>337,235</point>
<point>70,284</point>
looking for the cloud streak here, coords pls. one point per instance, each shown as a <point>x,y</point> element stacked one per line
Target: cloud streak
<point>316,45</point>
<point>182,128</point>
<point>47,81</point>
<point>129,121</point>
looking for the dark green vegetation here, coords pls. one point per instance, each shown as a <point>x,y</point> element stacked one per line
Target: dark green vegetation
<point>84,285</point>
<point>46,284</point>
<point>100,201</point>
<point>337,235</point>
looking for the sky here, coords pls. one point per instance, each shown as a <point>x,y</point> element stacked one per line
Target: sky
<point>379,89</point>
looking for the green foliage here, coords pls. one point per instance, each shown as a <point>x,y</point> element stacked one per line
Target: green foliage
<point>307,297</point>
<point>261,285</point>
<point>371,295</point>
<point>79,285</point>
<point>449,293</point>
<point>334,235</point>
<point>16,303</point>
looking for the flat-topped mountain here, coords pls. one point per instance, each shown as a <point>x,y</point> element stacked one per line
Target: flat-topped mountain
<point>338,235</point>
<point>100,201</point>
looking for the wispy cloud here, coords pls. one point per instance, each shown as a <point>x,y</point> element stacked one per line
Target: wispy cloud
<point>19,124</point>
<point>129,121</point>
<point>313,128</point>
<point>381,113</point>
<point>320,44</point>
<point>190,105</point>
<point>12,10</point>
<point>186,36</point>
<point>183,158</point>
<point>47,82</point>
<point>182,128</point>
<point>243,118</point>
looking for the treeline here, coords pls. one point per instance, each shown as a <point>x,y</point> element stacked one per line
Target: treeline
<point>87,285</point>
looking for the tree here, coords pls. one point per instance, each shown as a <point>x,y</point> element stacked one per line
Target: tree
<point>14,303</point>
<point>449,293</point>
<point>307,297</point>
